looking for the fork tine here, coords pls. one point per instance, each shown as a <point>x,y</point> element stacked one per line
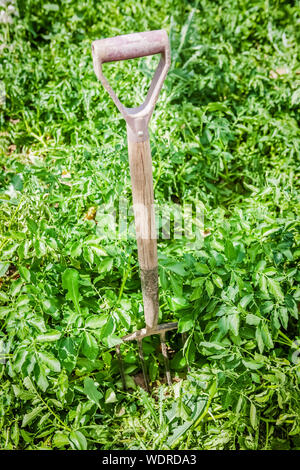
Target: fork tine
<point>166,358</point>
<point>184,340</point>
<point>142,360</point>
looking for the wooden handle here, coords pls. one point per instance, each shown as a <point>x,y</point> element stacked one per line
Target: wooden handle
<point>144,214</point>
<point>130,46</point>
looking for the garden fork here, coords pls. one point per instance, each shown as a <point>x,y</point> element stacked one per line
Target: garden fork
<point>121,48</point>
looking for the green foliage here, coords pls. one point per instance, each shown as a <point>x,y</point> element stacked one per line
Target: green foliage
<point>224,133</point>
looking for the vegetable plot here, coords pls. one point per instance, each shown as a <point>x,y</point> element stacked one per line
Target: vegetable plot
<point>225,140</point>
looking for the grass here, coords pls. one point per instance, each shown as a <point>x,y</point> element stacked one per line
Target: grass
<point>224,135</point>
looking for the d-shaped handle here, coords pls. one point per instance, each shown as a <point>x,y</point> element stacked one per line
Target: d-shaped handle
<point>131,46</point>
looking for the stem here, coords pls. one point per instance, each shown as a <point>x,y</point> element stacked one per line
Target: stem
<point>125,276</point>
<point>51,411</point>
<point>10,223</point>
<point>285,337</point>
<point>220,416</point>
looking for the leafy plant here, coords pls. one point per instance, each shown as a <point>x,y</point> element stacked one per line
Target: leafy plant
<point>225,139</point>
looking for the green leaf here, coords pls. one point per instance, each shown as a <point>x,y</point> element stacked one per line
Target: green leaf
<point>96,321</point>
<point>50,361</point>
<point>275,319</point>
<point>110,396</point>
<point>275,289</point>
<point>177,303</point>
<point>97,250</point>
<point>218,281</point>
<point>49,336</point>
<point>223,324</point>
<point>234,322</point>
<point>29,384</point>
<point>130,383</point>
<point>186,322</point>
<point>246,300</point>
<point>229,251</point>
<point>29,417</point>
<point>24,273</point>
<point>89,346</point>
<point>16,287</point>
<point>253,365</point>
<point>4,311</point>
<point>76,250</point>
<point>181,429</point>
<point>296,97</point>
<point>263,285</point>
<point>70,282</point>
<point>259,340</point>
<point>105,265</point>
<point>253,415</point>
<point>202,268</point>
<point>78,440</point>
<point>19,359</point>
<point>67,353</point>
<point>266,336</point>
<point>153,370</point>
<point>60,439</point>
<point>50,305</point>
<point>112,341</point>
<point>107,358</point>
<point>252,319</point>
<point>3,268</point>
<point>42,381</point>
<point>217,245</point>
<point>196,294</point>
<point>176,284</point>
<point>4,297</point>
<point>260,265</point>
<point>284,317</point>
<point>177,268</point>
<point>51,7</point>
<point>108,328</point>
<point>178,361</point>
<point>209,288</point>
<point>40,248</point>
<point>212,345</point>
<point>163,278</point>
<point>91,391</point>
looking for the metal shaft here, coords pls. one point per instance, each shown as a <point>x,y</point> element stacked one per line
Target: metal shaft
<point>166,358</point>
<point>144,369</point>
